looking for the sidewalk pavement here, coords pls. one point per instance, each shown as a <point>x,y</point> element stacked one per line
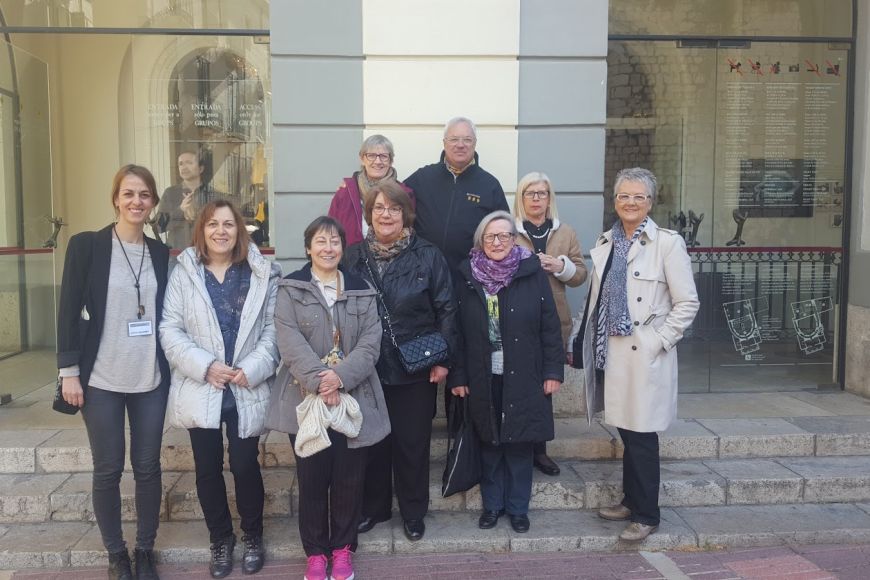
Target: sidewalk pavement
<point>809,562</point>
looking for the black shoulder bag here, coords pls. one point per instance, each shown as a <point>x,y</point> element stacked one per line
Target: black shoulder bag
<point>419,353</point>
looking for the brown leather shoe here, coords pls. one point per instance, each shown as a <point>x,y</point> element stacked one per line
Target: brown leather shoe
<point>616,513</point>
<point>636,532</point>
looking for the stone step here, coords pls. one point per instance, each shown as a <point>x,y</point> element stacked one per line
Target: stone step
<point>68,451</point>
<point>58,545</point>
<point>581,485</point>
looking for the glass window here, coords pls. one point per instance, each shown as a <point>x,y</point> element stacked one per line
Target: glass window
<point>175,14</point>
<point>798,18</point>
<point>749,147</point>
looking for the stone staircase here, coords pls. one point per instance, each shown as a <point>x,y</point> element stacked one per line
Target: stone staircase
<point>725,482</point>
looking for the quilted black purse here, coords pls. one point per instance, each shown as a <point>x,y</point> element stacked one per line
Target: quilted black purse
<point>418,353</point>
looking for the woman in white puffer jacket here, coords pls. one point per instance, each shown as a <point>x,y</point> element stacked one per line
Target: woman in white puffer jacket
<point>219,337</point>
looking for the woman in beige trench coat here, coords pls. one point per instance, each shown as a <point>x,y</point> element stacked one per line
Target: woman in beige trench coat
<point>642,298</point>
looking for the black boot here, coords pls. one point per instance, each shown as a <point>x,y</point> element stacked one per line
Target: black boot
<point>222,557</point>
<point>119,566</point>
<point>255,554</point>
<point>143,561</point>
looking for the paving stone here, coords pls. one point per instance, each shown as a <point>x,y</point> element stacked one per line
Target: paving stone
<point>576,439</point>
<point>763,437</point>
<point>570,400</point>
<point>602,481</point>
<point>601,535</point>
<point>72,501</point>
<point>25,497</point>
<point>838,435</point>
<point>176,454</point>
<point>758,481</point>
<point>41,545</point>
<point>832,479</point>
<point>747,526</point>
<point>451,532</point>
<point>564,491</point>
<point>743,405</point>
<point>17,449</point>
<point>68,451</point>
<point>686,439</point>
<point>550,531</point>
<point>685,483</point>
<point>837,402</point>
<point>278,484</point>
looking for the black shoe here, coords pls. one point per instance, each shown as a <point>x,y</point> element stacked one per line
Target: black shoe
<point>119,566</point>
<point>488,519</point>
<point>143,561</point>
<point>368,523</point>
<point>520,524</point>
<point>255,554</point>
<point>414,530</point>
<point>547,466</point>
<point>222,557</point>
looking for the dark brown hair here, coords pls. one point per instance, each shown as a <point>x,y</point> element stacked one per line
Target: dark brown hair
<point>243,238</point>
<point>327,224</point>
<point>138,171</point>
<point>395,194</point>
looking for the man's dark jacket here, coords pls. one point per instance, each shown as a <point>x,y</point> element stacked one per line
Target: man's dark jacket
<point>449,208</point>
<point>532,344</point>
<point>418,290</point>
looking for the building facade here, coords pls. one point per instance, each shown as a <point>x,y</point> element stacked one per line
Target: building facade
<point>753,114</point>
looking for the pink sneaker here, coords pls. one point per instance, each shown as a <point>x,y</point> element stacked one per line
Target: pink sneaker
<point>342,564</point>
<point>316,569</point>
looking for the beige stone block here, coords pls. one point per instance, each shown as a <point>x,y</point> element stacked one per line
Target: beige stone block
<point>73,500</point>
<point>18,449</point>
<point>68,451</point>
<point>25,497</point>
<point>42,545</point>
<point>278,483</point>
<point>857,347</point>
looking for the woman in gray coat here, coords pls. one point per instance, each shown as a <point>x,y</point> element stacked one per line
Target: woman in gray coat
<point>642,299</point>
<point>329,337</point>
<point>219,338</point>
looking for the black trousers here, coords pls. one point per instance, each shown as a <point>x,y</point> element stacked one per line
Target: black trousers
<point>403,456</point>
<point>208,456</point>
<point>330,496</point>
<point>641,475</point>
<point>104,419</point>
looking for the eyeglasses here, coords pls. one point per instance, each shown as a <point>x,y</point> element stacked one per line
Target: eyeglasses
<point>458,140</point>
<point>394,210</point>
<point>378,156</point>
<point>528,194</point>
<point>625,198</point>
<point>503,237</point>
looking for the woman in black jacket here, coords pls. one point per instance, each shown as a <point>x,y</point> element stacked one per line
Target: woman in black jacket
<point>415,284</point>
<point>111,362</point>
<point>511,361</point>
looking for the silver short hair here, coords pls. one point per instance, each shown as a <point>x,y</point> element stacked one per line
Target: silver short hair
<point>376,141</point>
<point>459,120</point>
<point>640,175</point>
<point>488,219</point>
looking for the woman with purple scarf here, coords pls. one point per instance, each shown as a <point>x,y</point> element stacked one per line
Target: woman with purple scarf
<point>510,363</point>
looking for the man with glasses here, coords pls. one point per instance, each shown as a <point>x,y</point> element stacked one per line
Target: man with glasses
<point>454,194</point>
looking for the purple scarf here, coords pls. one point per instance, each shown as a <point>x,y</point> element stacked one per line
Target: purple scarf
<point>496,275</point>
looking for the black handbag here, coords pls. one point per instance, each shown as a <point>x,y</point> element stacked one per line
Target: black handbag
<point>59,404</point>
<point>418,353</point>
<point>463,470</point>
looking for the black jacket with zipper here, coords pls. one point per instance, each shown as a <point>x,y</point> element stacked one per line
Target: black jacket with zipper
<point>532,344</point>
<point>418,290</point>
<point>449,208</point>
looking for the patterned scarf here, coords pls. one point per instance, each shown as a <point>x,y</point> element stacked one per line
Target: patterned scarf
<point>364,183</point>
<point>385,253</point>
<point>495,275</point>
<point>613,316</point>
